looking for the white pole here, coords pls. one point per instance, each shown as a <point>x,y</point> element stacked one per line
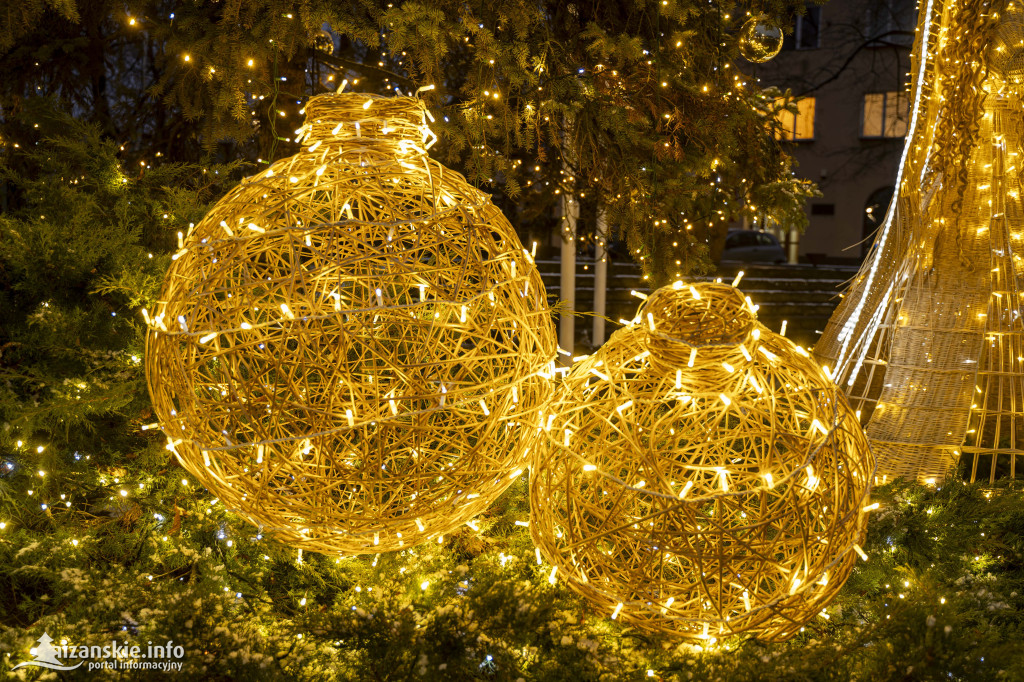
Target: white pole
<point>567,326</point>
<point>600,276</point>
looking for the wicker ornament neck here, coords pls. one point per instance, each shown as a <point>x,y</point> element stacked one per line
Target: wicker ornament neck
<point>677,320</point>
<point>341,118</point>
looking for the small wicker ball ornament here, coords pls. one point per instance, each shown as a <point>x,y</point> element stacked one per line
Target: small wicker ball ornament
<point>323,41</point>
<point>760,40</point>
<point>347,345</point>
<point>702,476</point>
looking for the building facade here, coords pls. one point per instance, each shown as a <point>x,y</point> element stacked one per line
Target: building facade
<point>846,66</point>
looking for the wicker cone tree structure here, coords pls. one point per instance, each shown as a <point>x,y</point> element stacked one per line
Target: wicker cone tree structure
<point>346,348</point>
<point>702,476</point>
<point>929,340</point>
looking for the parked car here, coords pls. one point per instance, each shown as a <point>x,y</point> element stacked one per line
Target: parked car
<point>753,246</point>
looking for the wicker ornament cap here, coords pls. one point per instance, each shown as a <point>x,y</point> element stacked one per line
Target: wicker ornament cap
<point>345,347</point>
<point>702,476</point>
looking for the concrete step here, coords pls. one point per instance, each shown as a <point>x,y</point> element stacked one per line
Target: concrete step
<point>802,295</point>
<point>762,297</point>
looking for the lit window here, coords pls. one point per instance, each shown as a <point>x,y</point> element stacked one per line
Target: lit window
<point>798,126</point>
<point>885,114</point>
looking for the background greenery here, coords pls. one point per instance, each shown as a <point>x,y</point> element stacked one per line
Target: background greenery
<point>640,106</point>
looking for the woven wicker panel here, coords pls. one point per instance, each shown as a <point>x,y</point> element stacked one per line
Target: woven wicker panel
<point>346,347</point>
<point>929,340</point>
<point>701,475</point>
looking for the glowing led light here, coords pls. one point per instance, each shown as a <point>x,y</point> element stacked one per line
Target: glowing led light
<point>686,489</point>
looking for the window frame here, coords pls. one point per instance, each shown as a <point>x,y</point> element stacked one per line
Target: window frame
<point>795,40</point>
<point>885,19</point>
<point>900,96</point>
<point>798,30</point>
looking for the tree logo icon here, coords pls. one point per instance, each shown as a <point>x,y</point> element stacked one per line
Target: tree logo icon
<point>46,656</point>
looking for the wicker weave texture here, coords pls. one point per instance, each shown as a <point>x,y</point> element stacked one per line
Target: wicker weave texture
<point>701,475</point>
<point>346,347</point>
<point>929,340</point>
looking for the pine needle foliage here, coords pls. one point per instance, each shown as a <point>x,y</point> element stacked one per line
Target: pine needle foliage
<point>640,107</point>
<point>83,246</point>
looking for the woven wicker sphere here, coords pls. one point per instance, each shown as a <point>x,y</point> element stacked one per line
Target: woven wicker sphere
<point>345,347</point>
<point>702,476</point>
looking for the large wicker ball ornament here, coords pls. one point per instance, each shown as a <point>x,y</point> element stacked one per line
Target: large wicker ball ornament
<point>702,476</point>
<point>346,347</point>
